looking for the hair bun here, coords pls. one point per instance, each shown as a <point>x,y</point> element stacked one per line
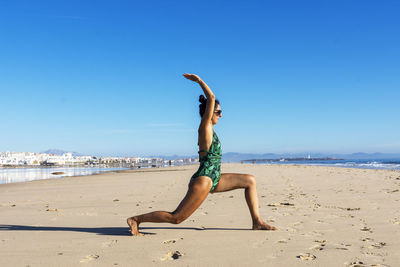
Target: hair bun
<point>202,99</point>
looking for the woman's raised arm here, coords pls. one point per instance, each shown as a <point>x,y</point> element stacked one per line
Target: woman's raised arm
<point>209,95</point>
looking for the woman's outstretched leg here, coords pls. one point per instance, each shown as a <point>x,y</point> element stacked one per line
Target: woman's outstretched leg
<point>231,181</point>
<point>196,194</point>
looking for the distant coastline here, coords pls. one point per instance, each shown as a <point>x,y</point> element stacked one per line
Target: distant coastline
<point>5,166</point>
<point>376,164</point>
<point>289,159</point>
<point>75,160</point>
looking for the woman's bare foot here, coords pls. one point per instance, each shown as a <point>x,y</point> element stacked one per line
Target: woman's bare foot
<point>134,226</point>
<point>263,226</point>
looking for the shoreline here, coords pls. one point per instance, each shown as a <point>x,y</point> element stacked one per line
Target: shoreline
<point>62,174</point>
<point>126,170</point>
<point>180,167</point>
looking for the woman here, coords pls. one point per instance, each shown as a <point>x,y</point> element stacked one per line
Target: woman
<point>208,177</point>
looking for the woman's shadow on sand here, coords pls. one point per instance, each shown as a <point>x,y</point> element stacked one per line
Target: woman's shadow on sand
<point>114,231</point>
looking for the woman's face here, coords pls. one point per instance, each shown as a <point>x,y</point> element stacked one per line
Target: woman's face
<point>217,114</point>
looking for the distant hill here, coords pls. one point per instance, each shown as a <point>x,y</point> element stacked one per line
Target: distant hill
<point>60,152</point>
<point>377,155</point>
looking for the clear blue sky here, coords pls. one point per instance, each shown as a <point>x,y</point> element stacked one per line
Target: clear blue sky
<point>104,77</point>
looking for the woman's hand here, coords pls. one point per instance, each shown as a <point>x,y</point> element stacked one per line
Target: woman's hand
<point>192,77</point>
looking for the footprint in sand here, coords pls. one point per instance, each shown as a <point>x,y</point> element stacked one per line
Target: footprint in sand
<point>172,240</point>
<point>342,208</point>
<point>306,256</point>
<point>173,255</point>
<point>378,245</point>
<point>281,204</point>
<point>89,258</point>
<point>318,247</point>
<point>366,239</point>
<point>349,209</point>
<point>52,210</point>
<point>365,229</point>
<point>396,221</point>
<point>343,246</point>
<point>315,206</point>
<point>355,264</point>
<point>347,216</point>
<point>389,191</point>
<point>283,241</point>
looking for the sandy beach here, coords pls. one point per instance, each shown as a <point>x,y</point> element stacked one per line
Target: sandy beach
<point>326,217</point>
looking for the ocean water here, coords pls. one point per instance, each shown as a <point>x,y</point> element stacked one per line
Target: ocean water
<point>379,164</point>
<point>15,175</point>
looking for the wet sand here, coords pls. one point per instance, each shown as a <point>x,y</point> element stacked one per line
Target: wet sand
<point>326,217</point>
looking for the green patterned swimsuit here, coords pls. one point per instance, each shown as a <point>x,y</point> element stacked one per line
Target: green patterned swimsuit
<point>210,164</point>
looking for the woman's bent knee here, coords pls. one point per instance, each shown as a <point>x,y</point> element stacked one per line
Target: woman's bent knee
<point>177,218</point>
<point>251,180</point>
